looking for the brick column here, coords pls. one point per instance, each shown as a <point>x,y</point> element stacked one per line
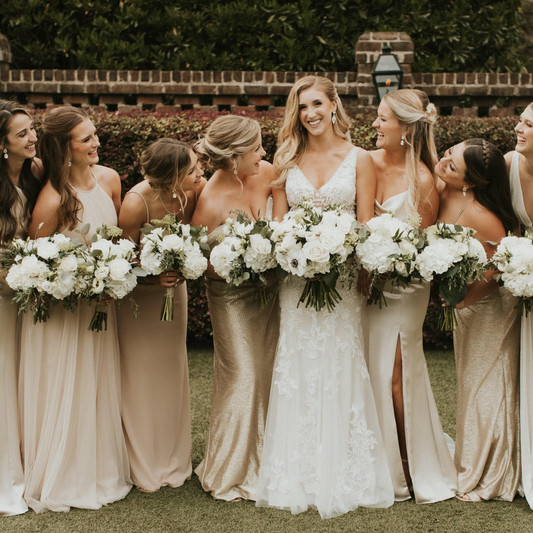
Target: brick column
<point>5,57</point>
<point>367,50</point>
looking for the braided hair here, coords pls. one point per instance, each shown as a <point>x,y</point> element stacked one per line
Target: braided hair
<point>486,172</point>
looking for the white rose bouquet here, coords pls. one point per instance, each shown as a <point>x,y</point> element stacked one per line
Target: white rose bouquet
<point>114,272</point>
<point>315,244</point>
<point>46,271</point>
<point>171,245</point>
<point>246,254</point>
<point>514,259</point>
<point>387,250</point>
<point>455,258</point>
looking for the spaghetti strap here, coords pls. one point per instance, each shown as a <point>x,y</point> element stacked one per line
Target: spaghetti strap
<point>145,204</point>
<point>462,211</point>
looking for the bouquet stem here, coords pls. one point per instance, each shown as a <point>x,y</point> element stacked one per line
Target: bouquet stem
<point>167,308</point>
<point>447,319</point>
<point>99,319</point>
<point>318,295</point>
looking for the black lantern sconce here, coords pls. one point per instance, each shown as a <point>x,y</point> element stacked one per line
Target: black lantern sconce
<point>387,73</point>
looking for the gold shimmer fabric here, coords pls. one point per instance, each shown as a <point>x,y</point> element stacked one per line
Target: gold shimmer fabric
<point>155,389</point>
<point>486,343</point>
<point>245,339</point>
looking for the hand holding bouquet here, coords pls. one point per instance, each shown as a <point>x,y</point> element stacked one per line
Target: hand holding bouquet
<point>315,244</point>
<point>172,246</point>
<point>246,254</point>
<point>455,258</point>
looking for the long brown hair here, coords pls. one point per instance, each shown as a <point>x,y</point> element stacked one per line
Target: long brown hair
<point>28,183</point>
<point>54,150</point>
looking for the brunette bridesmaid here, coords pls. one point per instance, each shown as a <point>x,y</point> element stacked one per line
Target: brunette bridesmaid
<point>153,354</point>
<point>73,445</point>
<point>19,187</point>
<point>474,192</point>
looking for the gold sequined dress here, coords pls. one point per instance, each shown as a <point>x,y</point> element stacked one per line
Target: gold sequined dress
<point>245,338</point>
<point>486,344</point>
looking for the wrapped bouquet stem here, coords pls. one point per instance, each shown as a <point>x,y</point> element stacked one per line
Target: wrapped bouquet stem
<point>167,307</point>
<point>99,319</point>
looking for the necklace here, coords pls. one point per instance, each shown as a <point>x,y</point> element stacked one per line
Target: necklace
<point>166,209</point>
<point>394,169</point>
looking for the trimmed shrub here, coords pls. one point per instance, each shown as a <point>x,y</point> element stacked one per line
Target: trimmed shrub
<point>302,35</point>
<point>124,136</point>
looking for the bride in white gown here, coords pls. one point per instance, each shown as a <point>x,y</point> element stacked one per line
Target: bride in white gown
<point>323,447</point>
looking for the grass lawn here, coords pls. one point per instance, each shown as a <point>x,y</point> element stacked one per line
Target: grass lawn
<point>189,509</point>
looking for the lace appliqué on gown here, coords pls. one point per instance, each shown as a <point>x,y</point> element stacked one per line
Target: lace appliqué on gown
<point>322,445</point>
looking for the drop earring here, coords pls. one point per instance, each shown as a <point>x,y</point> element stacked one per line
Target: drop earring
<point>402,140</point>
<point>235,169</point>
<point>5,153</point>
<point>333,117</point>
<point>174,195</point>
<point>69,164</point>
<point>464,190</point>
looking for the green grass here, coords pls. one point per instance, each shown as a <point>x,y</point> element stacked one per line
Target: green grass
<point>189,509</point>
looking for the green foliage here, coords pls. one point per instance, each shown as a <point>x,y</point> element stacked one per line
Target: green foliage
<point>302,35</point>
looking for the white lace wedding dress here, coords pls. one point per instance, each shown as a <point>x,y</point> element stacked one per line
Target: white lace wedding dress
<point>323,447</point>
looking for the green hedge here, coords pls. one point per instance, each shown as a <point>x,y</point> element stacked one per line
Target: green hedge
<point>302,35</point>
<point>124,136</point>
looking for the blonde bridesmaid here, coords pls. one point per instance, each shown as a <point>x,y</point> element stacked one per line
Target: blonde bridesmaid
<point>418,456</point>
<point>244,335</point>
<point>73,445</point>
<point>474,192</point>
<point>153,354</point>
<point>19,187</point>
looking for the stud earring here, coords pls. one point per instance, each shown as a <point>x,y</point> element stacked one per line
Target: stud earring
<point>333,117</point>
<point>464,190</point>
<point>402,140</point>
<point>5,153</point>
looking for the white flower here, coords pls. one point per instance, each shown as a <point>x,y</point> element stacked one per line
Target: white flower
<point>173,243</point>
<point>194,266</point>
<point>46,248</point>
<point>118,269</point>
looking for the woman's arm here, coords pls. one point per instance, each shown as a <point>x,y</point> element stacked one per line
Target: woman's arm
<point>365,187</point>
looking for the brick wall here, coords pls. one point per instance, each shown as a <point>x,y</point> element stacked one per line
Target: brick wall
<point>468,94</point>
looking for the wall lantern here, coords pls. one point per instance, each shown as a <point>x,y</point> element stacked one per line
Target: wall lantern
<point>387,73</point>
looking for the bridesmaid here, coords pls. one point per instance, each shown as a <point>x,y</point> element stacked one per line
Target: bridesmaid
<point>154,374</point>
<point>19,187</point>
<point>418,457</point>
<point>520,169</point>
<point>244,335</point>
<point>73,445</point>
<point>474,192</point>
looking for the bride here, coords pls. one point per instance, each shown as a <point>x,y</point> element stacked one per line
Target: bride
<point>323,447</point>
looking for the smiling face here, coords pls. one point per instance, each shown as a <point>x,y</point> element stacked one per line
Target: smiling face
<point>248,163</point>
<point>84,144</point>
<point>315,111</point>
<point>452,167</point>
<point>388,127</point>
<point>524,132</point>
<point>21,138</point>
<point>193,175</point>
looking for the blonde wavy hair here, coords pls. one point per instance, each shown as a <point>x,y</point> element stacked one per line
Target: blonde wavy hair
<point>292,137</point>
<point>414,111</point>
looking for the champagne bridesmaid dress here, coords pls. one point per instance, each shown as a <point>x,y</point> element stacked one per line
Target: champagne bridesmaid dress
<point>11,476</point>
<point>73,444</point>
<point>526,350</point>
<point>155,388</point>
<point>431,466</point>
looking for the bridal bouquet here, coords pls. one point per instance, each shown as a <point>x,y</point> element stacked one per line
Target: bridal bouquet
<point>514,259</point>
<point>315,243</point>
<point>246,253</point>
<point>388,251</point>
<point>46,271</point>
<point>172,246</point>
<point>114,272</point>
<point>455,258</point>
